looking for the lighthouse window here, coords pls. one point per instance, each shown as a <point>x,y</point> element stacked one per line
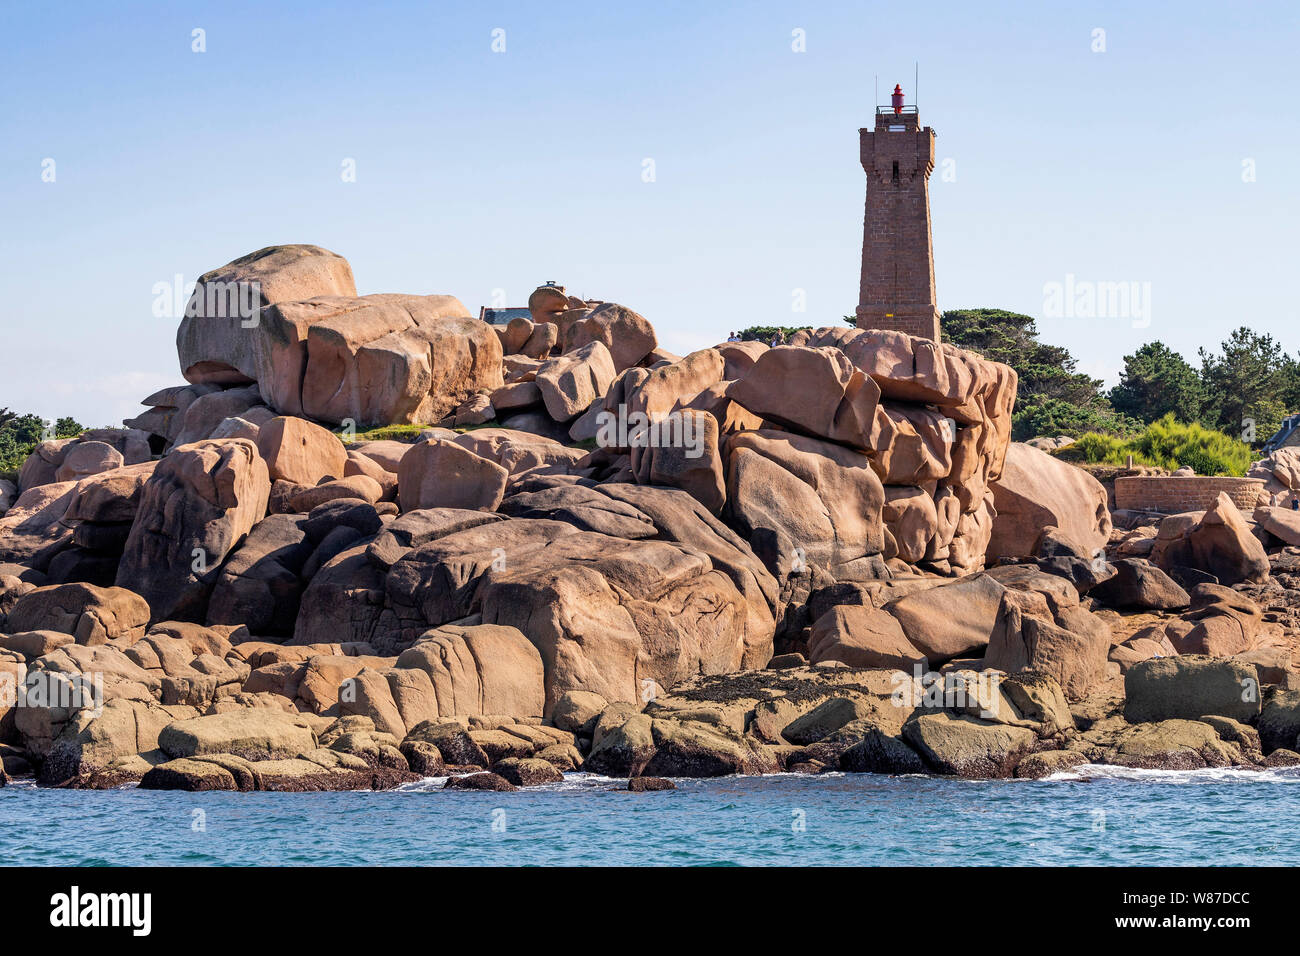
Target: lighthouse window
<point>895,172</point>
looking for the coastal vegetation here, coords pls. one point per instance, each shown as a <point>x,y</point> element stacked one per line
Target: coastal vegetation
<point>20,434</point>
<point>1166,443</point>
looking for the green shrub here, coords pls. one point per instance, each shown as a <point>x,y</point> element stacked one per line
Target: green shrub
<point>1166,443</point>
<point>1098,448</point>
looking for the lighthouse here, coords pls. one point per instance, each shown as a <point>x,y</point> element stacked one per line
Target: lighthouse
<point>897,288</point>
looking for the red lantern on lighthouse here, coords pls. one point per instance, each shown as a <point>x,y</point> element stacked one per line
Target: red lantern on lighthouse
<point>897,99</point>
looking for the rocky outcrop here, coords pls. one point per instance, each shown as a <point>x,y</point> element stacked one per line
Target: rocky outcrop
<point>443,474</point>
<point>222,339</point>
<point>299,451</point>
<point>260,585</point>
<point>1281,474</point>
<point>288,319</point>
<point>824,556</point>
<point>1189,687</point>
<point>1139,584</point>
<point>92,615</point>
<point>1037,490</point>
<point>199,503</point>
<point>1217,541</point>
<point>805,505</point>
<point>862,637</point>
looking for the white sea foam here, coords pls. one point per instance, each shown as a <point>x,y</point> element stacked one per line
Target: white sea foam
<point>1106,772</point>
<point>571,781</point>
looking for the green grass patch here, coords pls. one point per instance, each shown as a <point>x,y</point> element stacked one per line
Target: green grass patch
<point>404,433</point>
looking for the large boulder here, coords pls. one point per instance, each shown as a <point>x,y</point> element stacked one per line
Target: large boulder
<point>479,669</point>
<point>1281,523</point>
<point>288,318</point>
<point>975,395</point>
<point>569,383</point>
<point>443,474</point>
<point>913,445</point>
<point>1173,744</point>
<point>1036,490</point>
<point>32,531</point>
<point>86,458</point>
<point>1189,687</point>
<point>690,748</point>
<point>260,585</point>
<point>255,733</point>
<point>673,594</point>
<point>953,620</point>
<point>815,390</point>
<point>628,335</point>
<point>803,503</point>
<point>94,741</point>
<point>300,451</point>
<point>1279,721</point>
<point>41,466</point>
<point>1280,472</point>
<point>1223,545</point>
<point>222,339</point>
<point>624,750</point>
<point>205,416</point>
<point>687,456</point>
<point>658,391</point>
<point>1140,584</point>
<point>93,615</point>
<point>615,617</point>
<point>862,637</point>
<point>1035,632</point>
<point>200,502</point>
<point>912,523</point>
<point>385,359</point>
<point>965,747</point>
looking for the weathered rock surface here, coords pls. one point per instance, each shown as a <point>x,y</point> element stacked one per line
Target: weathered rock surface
<point>569,383</point>
<point>221,340</point>
<point>509,603</point>
<point>443,474</point>
<point>1189,687</point>
<point>862,637</point>
<point>1036,490</point>
<point>297,450</point>
<point>200,502</point>
<point>1219,543</point>
<point>966,747</point>
<point>92,615</point>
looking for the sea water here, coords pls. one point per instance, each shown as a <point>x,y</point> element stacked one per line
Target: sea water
<point>1091,816</point>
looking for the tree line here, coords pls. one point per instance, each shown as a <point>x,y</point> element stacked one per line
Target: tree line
<point>1244,389</point>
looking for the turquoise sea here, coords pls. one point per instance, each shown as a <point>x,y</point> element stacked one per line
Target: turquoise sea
<point>1099,816</point>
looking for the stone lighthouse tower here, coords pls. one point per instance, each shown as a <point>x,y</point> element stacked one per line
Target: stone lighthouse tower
<point>897,290</point>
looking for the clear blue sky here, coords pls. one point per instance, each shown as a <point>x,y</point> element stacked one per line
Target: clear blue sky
<point>478,170</point>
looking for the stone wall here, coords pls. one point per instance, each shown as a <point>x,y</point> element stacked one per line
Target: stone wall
<point>1173,495</point>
